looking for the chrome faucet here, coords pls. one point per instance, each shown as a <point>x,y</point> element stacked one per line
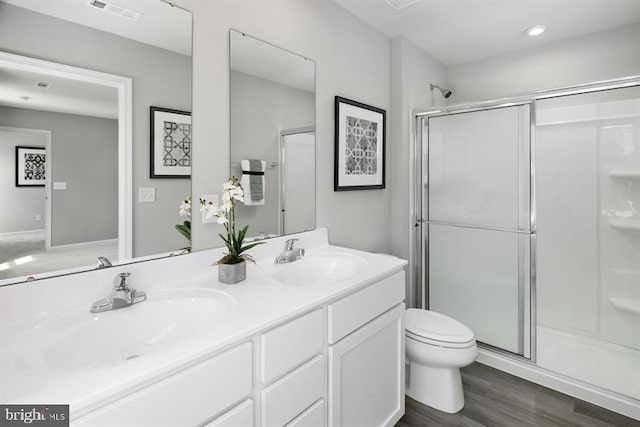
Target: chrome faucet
<point>103,262</point>
<point>121,296</point>
<point>289,254</point>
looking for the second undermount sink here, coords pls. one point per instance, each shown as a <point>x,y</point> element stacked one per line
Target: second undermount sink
<point>83,340</point>
<point>319,267</point>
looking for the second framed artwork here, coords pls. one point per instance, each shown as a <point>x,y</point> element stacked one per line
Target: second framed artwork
<point>171,150</point>
<point>359,146</point>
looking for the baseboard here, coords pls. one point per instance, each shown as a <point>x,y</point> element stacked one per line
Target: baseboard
<point>78,245</point>
<point>592,394</point>
<point>19,233</point>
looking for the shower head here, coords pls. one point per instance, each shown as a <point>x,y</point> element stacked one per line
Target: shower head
<point>445,92</point>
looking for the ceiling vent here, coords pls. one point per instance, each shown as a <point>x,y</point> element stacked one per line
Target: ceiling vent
<point>400,4</point>
<point>114,9</point>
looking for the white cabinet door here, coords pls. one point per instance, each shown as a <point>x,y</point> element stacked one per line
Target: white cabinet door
<point>240,416</point>
<point>366,374</point>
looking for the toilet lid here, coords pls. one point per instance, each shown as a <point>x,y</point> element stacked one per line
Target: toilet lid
<point>436,326</point>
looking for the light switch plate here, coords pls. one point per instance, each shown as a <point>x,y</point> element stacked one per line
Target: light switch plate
<point>60,185</point>
<point>147,195</point>
<point>213,198</point>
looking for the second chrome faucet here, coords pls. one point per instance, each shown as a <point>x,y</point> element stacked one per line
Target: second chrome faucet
<point>289,254</point>
<point>121,296</point>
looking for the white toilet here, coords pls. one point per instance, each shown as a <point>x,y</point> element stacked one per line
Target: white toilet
<point>437,347</point>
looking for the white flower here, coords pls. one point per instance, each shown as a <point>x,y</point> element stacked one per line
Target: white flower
<point>185,207</point>
<point>222,218</point>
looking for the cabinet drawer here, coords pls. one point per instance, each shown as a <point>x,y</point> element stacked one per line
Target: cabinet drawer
<point>291,395</point>
<point>316,416</point>
<point>291,344</point>
<point>240,416</point>
<point>187,398</point>
<point>349,313</point>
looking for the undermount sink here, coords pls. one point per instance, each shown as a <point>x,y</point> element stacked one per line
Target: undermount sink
<point>84,340</point>
<point>319,267</point>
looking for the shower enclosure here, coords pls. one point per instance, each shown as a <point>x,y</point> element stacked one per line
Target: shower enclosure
<point>529,219</point>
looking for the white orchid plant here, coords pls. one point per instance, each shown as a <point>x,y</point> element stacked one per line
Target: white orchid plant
<point>226,216</point>
<point>185,227</point>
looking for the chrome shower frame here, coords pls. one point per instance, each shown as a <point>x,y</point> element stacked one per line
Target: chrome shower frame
<point>420,117</point>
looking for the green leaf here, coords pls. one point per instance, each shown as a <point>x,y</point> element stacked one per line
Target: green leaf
<point>185,231</point>
<point>226,242</point>
<point>252,245</point>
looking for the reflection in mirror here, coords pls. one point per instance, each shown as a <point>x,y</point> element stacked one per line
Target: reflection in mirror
<point>273,136</point>
<point>78,94</point>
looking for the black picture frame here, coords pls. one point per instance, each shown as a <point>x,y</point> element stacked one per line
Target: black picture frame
<point>353,171</point>
<point>160,118</point>
<point>26,174</point>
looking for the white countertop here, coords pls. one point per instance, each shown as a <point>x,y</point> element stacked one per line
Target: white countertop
<point>260,303</point>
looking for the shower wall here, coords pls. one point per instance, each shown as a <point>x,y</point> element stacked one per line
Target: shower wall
<point>588,249</point>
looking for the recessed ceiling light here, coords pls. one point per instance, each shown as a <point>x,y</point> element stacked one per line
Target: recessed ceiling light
<point>536,30</point>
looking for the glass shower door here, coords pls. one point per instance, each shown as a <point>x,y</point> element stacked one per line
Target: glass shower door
<point>478,183</point>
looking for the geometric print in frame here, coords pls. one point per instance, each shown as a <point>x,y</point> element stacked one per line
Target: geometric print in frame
<point>176,144</point>
<point>34,166</point>
<point>361,147</point>
<point>171,143</point>
<point>359,153</point>
<point>30,166</point>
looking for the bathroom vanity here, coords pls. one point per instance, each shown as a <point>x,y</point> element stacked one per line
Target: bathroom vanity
<point>319,341</point>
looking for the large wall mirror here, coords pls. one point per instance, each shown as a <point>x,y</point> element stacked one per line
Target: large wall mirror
<point>272,96</point>
<point>94,97</point>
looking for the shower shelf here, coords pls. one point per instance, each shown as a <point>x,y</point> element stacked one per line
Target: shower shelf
<point>625,173</point>
<point>625,304</point>
<point>625,224</point>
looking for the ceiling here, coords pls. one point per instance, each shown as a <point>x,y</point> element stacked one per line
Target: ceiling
<point>63,95</point>
<point>458,31</point>
<point>269,62</point>
<point>161,24</point>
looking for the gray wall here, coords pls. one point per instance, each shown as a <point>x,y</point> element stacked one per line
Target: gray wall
<point>30,199</point>
<point>352,61</point>
<point>160,78</point>
<point>412,70</point>
<point>85,156</point>
<point>260,109</point>
<point>593,57</point>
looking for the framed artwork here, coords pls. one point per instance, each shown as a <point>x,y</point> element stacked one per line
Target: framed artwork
<point>359,146</point>
<point>171,150</point>
<point>30,166</point>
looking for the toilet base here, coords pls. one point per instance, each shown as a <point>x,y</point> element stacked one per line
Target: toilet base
<point>439,388</point>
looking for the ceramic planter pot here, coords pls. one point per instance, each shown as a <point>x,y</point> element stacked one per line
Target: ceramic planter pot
<point>232,273</point>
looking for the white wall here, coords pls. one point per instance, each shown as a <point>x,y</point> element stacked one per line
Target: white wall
<point>352,61</point>
<point>411,72</point>
<point>593,57</point>
<point>30,199</point>
<point>260,109</point>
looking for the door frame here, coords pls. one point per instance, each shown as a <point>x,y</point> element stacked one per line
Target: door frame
<point>124,86</point>
<point>281,180</point>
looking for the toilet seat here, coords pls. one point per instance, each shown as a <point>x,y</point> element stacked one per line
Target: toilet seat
<point>437,329</point>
